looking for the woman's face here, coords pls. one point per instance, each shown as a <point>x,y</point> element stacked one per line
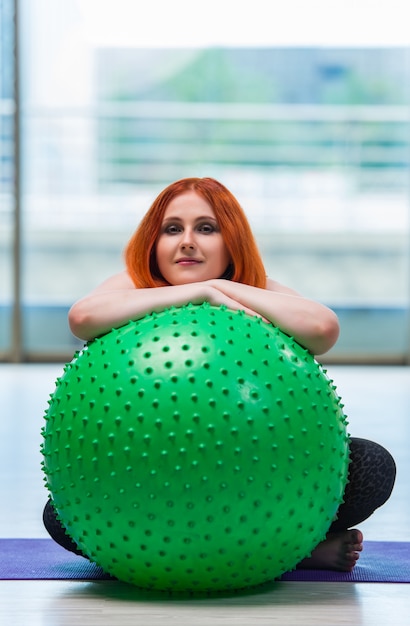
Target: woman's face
<point>190,247</point>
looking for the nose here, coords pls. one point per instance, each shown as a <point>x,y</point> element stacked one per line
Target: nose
<point>187,241</point>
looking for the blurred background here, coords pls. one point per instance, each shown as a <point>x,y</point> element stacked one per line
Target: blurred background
<point>302,110</point>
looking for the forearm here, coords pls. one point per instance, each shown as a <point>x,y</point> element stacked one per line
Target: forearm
<point>106,308</point>
<point>101,311</point>
<point>312,324</point>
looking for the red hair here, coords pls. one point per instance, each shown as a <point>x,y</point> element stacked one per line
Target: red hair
<point>247,265</point>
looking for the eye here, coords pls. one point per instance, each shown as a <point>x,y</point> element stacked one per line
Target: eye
<point>172,229</point>
<point>206,228</point>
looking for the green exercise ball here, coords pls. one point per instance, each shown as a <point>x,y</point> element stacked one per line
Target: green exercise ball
<point>196,449</point>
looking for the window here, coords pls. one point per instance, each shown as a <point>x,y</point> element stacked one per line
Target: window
<point>314,142</point>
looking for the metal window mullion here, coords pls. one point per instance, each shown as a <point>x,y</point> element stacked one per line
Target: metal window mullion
<point>16,344</point>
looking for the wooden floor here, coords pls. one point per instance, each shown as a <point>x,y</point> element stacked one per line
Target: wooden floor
<point>377,402</point>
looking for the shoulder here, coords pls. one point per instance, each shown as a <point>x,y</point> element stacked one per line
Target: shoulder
<point>273,285</point>
<point>119,281</point>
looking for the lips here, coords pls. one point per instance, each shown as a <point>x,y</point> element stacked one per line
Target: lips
<point>188,261</point>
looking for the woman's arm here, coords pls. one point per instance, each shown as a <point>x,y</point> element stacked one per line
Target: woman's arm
<point>312,324</point>
<point>116,301</point>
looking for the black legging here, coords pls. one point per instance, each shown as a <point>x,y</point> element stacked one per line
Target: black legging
<point>372,472</point>
<point>371,476</point>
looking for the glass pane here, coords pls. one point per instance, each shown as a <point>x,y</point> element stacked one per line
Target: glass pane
<point>6,174</point>
<point>314,142</point>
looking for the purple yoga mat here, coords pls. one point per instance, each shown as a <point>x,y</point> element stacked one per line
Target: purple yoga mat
<point>42,559</point>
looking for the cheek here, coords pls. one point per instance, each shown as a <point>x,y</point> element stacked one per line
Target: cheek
<point>162,250</point>
<point>224,256</point>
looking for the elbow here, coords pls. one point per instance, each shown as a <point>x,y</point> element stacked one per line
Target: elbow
<point>327,333</point>
<point>79,322</point>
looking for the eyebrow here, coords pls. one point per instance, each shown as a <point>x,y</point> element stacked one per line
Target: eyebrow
<point>209,218</point>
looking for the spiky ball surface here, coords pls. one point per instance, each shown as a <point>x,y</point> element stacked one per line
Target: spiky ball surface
<point>195,449</point>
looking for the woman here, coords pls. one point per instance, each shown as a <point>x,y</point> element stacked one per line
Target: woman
<point>195,245</point>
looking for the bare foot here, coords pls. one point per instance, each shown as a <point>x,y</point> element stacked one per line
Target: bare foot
<point>339,551</point>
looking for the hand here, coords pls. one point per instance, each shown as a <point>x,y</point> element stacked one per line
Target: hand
<point>217,297</point>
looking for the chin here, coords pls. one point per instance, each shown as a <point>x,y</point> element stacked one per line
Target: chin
<point>188,280</point>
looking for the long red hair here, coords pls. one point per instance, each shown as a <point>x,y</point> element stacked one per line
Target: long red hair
<point>247,265</point>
